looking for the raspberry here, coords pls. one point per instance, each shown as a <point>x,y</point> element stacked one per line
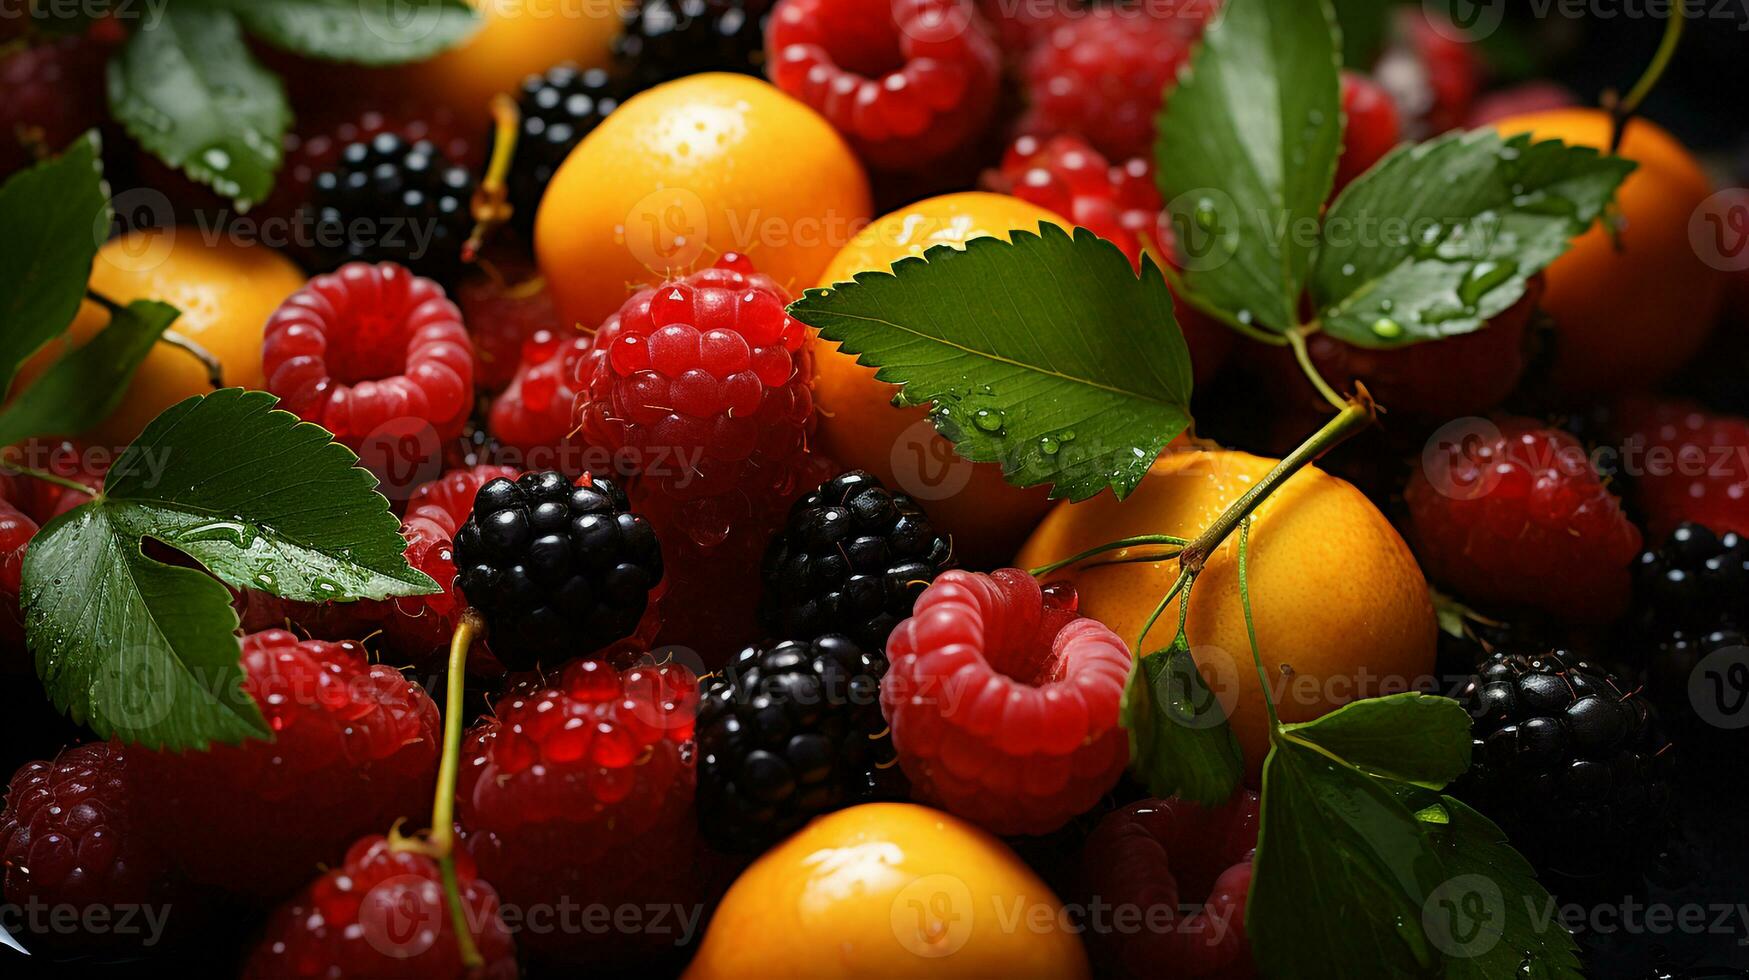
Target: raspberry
<point>1004,703</point>
<point>558,109</point>
<point>355,747</point>
<point>536,410</point>
<point>1695,465</point>
<point>370,348</point>
<point>1063,174</point>
<point>558,570</point>
<point>1163,857</point>
<point>1103,75</point>
<point>1018,27</point>
<point>579,794</point>
<point>67,838</point>
<point>666,39</point>
<point>851,559</point>
<point>382,913</point>
<point>1371,129</point>
<point>44,501</point>
<point>1519,517</point>
<point>388,200</point>
<point>503,307</point>
<point>54,92</point>
<point>786,733</point>
<point>16,531</point>
<point>908,83</point>
<point>1432,78</point>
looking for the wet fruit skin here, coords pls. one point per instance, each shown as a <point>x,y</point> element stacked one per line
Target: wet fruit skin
<point>887,890</point>
<point>1341,608</point>
<point>685,172</point>
<point>225,292</point>
<point>1628,317</point>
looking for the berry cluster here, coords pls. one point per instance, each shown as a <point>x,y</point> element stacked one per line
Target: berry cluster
<point>387,200</point>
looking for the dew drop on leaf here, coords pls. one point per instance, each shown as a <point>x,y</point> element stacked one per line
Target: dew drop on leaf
<point>1387,328</point>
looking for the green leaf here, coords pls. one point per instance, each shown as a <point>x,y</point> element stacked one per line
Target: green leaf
<point>369,32</point>
<point>263,500</point>
<point>56,214</point>
<point>1047,354</point>
<point>1246,154</point>
<point>1413,738</point>
<point>1440,236</point>
<point>189,90</point>
<point>86,384</point>
<point>1180,743</point>
<point>139,650</point>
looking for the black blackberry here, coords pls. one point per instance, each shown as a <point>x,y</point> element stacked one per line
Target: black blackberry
<point>789,732</point>
<point>558,570</point>
<point>1564,759</point>
<point>388,200</point>
<point>850,559</point>
<point>1696,581</point>
<point>666,39</point>
<point>558,109</point>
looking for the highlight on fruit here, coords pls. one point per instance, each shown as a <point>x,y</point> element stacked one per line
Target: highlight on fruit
<point>728,489</point>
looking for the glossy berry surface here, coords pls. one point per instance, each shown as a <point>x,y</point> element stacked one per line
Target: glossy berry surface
<point>354,748</point>
<point>314,148</point>
<point>1119,203</point>
<point>1694,579</point>
<point>382,914</point>
<point>667,39</point>
<point>557,110</point>
<point>536,409</point>
<point>16,532</point>
<point>1696,464</point>
<point>1004,703</point>
<point>411,201</point>
<point>502,310</point>
<point>560,570</point>
<point>906,82</point>
<point>851,559</point>
<point>1516,515</point>
<point>1371,128</point>
<point>786,733</point>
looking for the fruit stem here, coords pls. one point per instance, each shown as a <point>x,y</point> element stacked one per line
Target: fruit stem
<point>215,371</point>
<point>47,477</point>
<point>491,203</point>
<point>1251,624</point>
<point>442,839</point>
<point>1297,340</point>
<point>1357,413</point>
<point>1136,539</point>
<point>1185,578</point>
<point>1620,111</point>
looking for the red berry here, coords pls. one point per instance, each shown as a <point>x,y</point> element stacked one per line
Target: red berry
<point>1018,27</point>
<point>45,501</point>
<point>1687,464</point>
<point>1518,100</point>
<point>579,795</point>
<point>1432,75</point>
<point>1004,703</point>
<point>1511,512</point>
<point>16,531</point>
<point>417,627</point>
<point>1161,858</point>
<point>54,92</point>
<point>368,348</point>
<point>382,914</point>
<point>907,82</point>
<point>536,410</point>
<point>1371,129</point>
<point>355,747</point>
<point>503,308</point>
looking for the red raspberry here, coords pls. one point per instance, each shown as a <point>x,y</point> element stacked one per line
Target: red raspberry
<point>1687,464</point>
<point>1159,857</point>
<point>579,795</point>
<point>382,914</point>
<point>1371,129</point>
<point>1518,100</point>
<point>1433,77</point>
<point>536,410</point>
<point>1514,514</point>
<point>66,838</point>
<point>54,92</point>
<point>1103,75</point>
<point>16,531</point>
<point>355,748</point>
<point>367,348</point>
<point>1004,703</point>
<point>907,82</point>
<point>503,307</point>
<point>1019,25</point>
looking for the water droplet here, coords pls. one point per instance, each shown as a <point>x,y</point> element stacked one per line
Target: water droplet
<point>1049,446</point>
<point>216,158</point>
<point>1067,435</point>
<point>1387,328</point>
<point>1348,268</point>
<point>1484,278</point>
<point>988,421</point>
<point>1204,214</point>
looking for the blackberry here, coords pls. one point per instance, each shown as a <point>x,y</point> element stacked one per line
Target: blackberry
<point>1715,705</point>
<point>851,558</point>
<point>789,732</point>
<point>1563,758</point>
<point>666,39</point>
<point>558,570</point>
<point>390,200</point>
<point>558,109</point>
<point>1696,580</point>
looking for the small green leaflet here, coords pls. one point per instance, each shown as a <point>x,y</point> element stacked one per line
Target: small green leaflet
<point>189,90</point>
<point>82,387</point>
<point>1246,153</point>
<point>1440,236</point>
<point>1180,743</point>
<point>369,32</point>
<point>146,651</point>
<point>1048,355</point>
<point>1413,738</point>
<point>56,214</point>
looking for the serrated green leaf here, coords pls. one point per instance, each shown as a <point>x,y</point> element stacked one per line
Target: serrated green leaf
<point>56,214</point>
<point>82,387</point>
<point>1413,738</point>
<point>1246,153</point>
<point>139,650</point>
<point>263,500</point>
<point>1180,743</point>
<point>1438,237</point>
<point>368,32</point>
<point>190,91</point>
<point>1047,354</point>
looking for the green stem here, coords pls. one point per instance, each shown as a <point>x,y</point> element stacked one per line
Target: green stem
<point>215,371</point>
<point>1133,540</point>
<point>1624,110</point>
<point>1183,583</point>
<point>1296,339</point>
<point>47,477</point>
<point>1251,624</point>
<point>442,840</point>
